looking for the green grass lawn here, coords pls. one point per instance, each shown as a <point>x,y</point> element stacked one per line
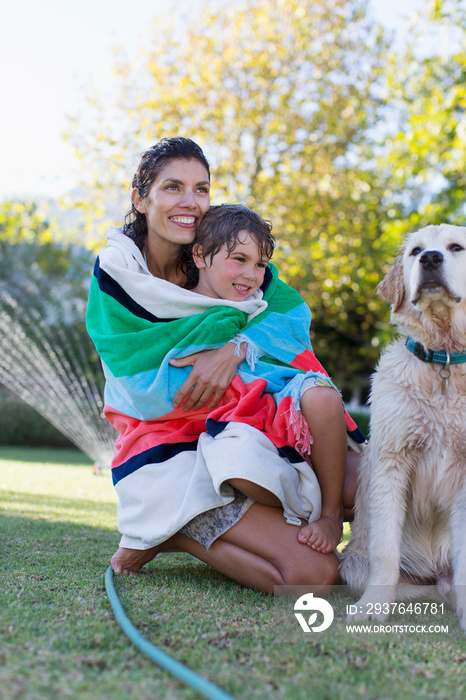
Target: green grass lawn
<point>59,639</point>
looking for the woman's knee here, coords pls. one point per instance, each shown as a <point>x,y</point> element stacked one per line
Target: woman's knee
<point>315,570</point>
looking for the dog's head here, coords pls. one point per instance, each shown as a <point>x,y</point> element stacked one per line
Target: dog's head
<point>428,277</point>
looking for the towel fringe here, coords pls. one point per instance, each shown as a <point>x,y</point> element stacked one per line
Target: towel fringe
<point>253,353</point>
<point>298,425</point>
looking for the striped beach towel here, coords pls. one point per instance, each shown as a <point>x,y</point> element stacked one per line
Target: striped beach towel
<point>138,324</point>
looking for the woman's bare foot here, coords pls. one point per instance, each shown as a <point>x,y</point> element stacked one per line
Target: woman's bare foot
<point>323,535</point>
<point>130,561</point>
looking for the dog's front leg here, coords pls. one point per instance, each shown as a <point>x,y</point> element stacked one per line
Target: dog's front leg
<point>387,508</point>
<point>458,552</point>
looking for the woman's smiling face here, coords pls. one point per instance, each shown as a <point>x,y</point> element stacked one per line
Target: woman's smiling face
<point>176,202</point>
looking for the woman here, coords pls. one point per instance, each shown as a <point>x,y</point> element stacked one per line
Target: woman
<point>256,546</point>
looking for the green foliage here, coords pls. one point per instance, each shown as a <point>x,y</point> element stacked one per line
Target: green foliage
<point>22,425</point>
<point>33,247</point>
<point>426,151</point>
<point>22,221</point>
<point>362,419</point>
<point>46,355</point>
<point>307,116</point>
<point>283,95</point>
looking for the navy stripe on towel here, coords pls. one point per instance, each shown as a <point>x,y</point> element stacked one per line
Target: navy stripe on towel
<point>108,285</point>
<point>290,454</point>
<point>154,455</point>
<point>268,277</point>
<point>215,427</point>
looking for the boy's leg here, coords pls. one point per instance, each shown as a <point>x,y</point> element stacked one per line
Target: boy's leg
<point>256,492</point>
<point>353,460</point>
<point>263,533</point>
<point>323,410</point>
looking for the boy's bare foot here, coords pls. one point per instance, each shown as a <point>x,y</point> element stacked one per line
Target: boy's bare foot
<point>323,535</point>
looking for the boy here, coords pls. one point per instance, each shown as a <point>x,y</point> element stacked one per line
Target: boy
<point>232,248</point>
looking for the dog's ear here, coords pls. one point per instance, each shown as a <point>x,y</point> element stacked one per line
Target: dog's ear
<point>392,288</point>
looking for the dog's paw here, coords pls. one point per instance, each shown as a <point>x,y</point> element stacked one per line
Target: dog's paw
<point>460,594</point>
<point>444,587</point>
<point>375,604</point>
<point>445,581</point>
<point>462,617</point>
<point>354,570</point>
<point>462,620</point>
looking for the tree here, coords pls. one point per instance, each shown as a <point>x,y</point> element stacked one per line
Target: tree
<point>284,97</point>
<point>22,221</point>
<point>34,248</point>
<point>46,355</point>
<point>43,273</point>
<point>426,152</point>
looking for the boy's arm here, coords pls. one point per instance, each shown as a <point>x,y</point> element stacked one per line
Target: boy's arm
<point>280,334</point>
<point>281,331</point>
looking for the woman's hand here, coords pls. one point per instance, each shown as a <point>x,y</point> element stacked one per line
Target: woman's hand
<point>212,373</point>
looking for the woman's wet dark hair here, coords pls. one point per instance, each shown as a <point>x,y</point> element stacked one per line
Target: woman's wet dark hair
<point>150,166</point>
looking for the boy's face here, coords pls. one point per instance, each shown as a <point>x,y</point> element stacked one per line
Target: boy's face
<point>234,276</point>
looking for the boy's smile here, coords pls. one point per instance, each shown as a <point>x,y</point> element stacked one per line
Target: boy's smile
<point>234,276</point>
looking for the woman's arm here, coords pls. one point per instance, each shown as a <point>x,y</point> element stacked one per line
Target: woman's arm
<point>212,373</point>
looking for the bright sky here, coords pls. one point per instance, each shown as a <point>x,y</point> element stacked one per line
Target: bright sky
<point>49,50</point>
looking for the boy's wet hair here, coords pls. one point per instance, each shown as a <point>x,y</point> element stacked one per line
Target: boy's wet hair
<point>221,225</point>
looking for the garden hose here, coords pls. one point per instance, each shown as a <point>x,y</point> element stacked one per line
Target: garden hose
<point>203,686</point>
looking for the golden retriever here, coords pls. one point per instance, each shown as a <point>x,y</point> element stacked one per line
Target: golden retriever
<point>410,511</point>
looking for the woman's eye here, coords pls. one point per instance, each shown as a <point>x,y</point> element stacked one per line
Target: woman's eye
<point>203,190</point>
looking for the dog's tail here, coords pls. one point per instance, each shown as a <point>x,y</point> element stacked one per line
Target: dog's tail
<point>354,569</point>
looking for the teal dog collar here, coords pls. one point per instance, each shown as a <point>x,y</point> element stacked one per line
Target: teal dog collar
<point>438,356</point>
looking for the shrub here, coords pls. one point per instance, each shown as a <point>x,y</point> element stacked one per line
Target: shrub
<point>22,425</point>
<point>362,420</point>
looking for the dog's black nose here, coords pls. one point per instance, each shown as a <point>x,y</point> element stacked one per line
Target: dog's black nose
<point>431,259</point>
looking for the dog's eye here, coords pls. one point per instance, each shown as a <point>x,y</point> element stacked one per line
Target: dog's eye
<point>455,247</point>
<point>416,250</point>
